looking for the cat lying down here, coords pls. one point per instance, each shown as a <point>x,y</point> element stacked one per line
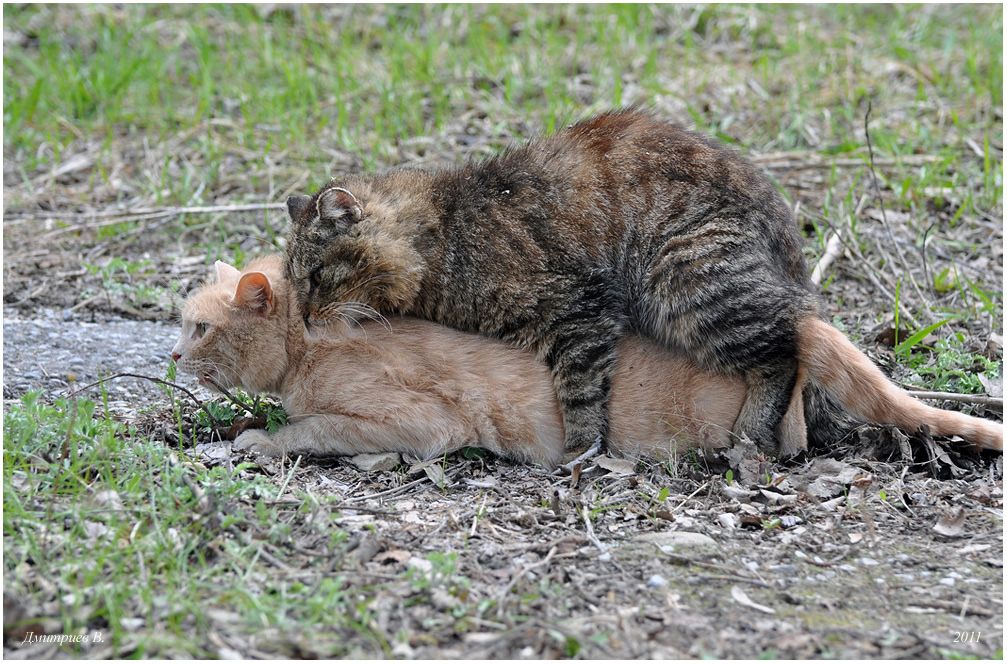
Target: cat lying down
<point>414,386</point>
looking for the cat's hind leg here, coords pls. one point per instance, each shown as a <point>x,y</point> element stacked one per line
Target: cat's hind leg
<point>734,314</point>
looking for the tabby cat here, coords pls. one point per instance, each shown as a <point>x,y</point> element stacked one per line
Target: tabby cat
<point>410,385</point>
<point>620,223</point>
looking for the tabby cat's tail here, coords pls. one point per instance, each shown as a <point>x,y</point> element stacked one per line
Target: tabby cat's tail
<point>861,389</point>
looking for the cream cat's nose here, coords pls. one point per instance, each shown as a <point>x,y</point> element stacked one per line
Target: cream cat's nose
<point>175,356</point>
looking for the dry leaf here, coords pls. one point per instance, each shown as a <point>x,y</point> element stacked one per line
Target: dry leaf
<point>620,466</point>
<point>826,478</point>
<point>951,526</point>
<point>737,493</point>
<point>436,474</point>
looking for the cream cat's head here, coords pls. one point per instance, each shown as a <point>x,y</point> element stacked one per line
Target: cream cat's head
<point>234,331</point>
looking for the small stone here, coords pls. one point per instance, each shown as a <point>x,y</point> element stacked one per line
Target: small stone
<point>657,581</point>
<point>728,521</point>
<point>947,581</point>
<point>678,540</point>
<point>376,462</point>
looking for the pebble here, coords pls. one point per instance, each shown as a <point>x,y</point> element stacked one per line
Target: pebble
<point>657,581</point>
<point>947,581</point>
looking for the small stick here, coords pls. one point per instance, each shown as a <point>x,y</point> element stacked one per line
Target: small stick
<point>884,215</point>
<point>833,249</point>
<point>590,530</point>
<point>690,496</point>
<point>958,398</point>
<point>192,396</point>
<point>122,217</point>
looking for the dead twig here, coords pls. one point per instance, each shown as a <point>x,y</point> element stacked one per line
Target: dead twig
<point>833,249</point>
<point>217,423</point>
<point>976,399</point>
<point>690,497</point>
<point>810,160</point>
<point>397,490</point>
<point>590,531</point>
<point>884,215</point>
<point>113,218</point>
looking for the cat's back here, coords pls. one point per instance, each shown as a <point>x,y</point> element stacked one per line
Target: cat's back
<point>624,177</point>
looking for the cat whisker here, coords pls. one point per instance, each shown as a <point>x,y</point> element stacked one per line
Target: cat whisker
<point>366,311</point>
<point>351,320</point>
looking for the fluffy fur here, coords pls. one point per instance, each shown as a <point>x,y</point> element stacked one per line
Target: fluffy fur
<point>415,386</point>
<point>620,223</point>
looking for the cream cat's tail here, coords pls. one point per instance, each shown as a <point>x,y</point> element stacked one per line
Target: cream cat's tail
<point>860,387</point>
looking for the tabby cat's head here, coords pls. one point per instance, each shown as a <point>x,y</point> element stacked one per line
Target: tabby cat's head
<point>347,256</point>
<point>234,331</point>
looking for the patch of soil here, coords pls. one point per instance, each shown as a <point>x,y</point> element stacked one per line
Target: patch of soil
<point>871,556</point>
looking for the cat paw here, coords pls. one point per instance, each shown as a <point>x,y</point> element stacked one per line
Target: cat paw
<point>257,442</point>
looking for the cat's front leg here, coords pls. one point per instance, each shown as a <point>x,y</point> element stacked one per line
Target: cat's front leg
<point>580,349</point>
<point>259,442</point>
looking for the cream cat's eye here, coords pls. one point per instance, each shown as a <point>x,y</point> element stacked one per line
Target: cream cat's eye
<point>201,329</point>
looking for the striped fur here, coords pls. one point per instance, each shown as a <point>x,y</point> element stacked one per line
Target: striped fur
<point>620,223</point>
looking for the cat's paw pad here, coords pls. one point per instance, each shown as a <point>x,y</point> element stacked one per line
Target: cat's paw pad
<point>257,442</point>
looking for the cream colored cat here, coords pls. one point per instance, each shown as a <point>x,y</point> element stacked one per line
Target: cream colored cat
<point>415,386</point>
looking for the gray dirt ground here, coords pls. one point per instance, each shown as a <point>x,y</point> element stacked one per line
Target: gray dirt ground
<point>799,560</point>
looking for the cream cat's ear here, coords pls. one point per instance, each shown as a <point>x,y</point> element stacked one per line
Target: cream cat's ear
<point>254,293</point>
<point>337,204</point>
<point>226,272</point>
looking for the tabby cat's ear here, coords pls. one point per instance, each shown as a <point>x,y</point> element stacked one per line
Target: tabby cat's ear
<point>296,205</point>
<point>338,205</point>
<point>254,293</point>
<point>226,272</point>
